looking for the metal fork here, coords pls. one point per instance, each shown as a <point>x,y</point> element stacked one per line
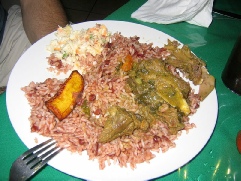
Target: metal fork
<point>33,160</point>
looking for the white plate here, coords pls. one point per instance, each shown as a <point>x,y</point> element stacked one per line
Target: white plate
<point>32,67</point>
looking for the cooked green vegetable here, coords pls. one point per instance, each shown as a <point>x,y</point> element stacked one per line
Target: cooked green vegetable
<point>191,66</point>
<point>121,122</point>
<point>157,85</point>
<point>185,61</point>
<point>160,95</point>
<point>85,108</point>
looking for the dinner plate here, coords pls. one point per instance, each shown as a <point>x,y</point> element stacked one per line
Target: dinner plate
<point>32,66</point>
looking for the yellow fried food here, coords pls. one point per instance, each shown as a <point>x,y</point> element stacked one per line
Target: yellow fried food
<point>62,104</point>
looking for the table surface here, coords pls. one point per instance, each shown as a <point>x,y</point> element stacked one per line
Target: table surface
<point>219,159</point>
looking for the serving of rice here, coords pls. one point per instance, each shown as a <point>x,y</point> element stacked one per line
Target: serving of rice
<point>97,59</point>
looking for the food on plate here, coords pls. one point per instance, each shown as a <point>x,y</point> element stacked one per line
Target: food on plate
<point>207,84</point>
<point>71,47</point>
<point>121,122</point>
<point>136,99</point>
<point>185,61</point>
<point>150,77</point>
<point>127,64</point>
<point>192,67</point>
<point>64,101</point>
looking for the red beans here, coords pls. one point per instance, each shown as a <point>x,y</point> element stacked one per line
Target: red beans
<point>34,128</point>
<point>156,138</point>
<point>81,142</point>
<point>98,111</point>
<point>92,97</point>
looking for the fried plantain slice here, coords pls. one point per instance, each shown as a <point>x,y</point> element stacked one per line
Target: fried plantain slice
<point>64,101</point>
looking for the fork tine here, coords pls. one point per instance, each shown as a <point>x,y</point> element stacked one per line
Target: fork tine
<point>33,155</point>
<point>40,158</point>
<point>30,151</point>
<point>45,161</point>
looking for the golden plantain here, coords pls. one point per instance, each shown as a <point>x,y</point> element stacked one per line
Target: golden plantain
<point>64,101</point>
